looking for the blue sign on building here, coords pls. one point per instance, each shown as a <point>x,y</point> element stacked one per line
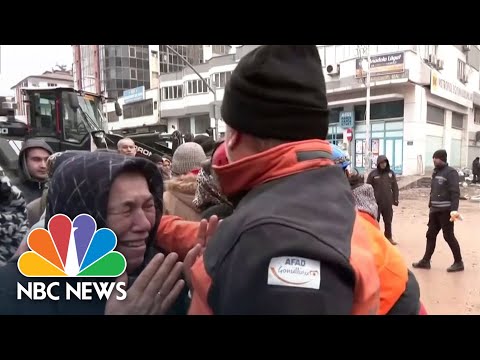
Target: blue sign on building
<point>134,95</point>
<point>347,119</point>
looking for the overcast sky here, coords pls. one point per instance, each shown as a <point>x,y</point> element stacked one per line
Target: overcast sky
<point>20,61</point>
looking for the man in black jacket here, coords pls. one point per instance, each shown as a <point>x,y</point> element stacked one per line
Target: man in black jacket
<point>444,200</point>
<point>385,187</point>
<point>32,165</point>
<point>476,170</point>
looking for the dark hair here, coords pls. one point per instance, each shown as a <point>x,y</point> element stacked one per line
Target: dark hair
<point>188,137</point>
<point>156,158</point>
<point>355,178</point>
<point>207,164</point>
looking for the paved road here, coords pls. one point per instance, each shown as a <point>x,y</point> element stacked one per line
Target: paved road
<point>442,292</point>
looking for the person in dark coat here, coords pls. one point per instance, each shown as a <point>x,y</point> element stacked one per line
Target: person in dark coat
<point>32,166</point>
<point>476,170</point>
<point>286,248</point>
<point>120,192</point>
<point>443,204</point>
<point>385,186</point>
<point>177,138</point>
<point>13,219</point>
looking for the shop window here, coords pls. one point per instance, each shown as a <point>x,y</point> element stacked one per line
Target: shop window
<point>435,115</point>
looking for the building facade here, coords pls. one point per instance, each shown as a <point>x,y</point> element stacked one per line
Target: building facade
<point>423,98</point>
<point>47,79</point>
<point>112,69</point>
<point>170,65</point>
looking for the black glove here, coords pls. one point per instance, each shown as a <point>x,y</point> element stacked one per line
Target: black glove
<point>395,203</point>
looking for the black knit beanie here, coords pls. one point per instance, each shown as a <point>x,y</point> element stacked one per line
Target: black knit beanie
<point>278,92</point>
<point>440,154</point>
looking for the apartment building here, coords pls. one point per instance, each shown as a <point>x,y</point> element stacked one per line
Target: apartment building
<point>51,78</point>
<point>423,97</point>
<point>113,69</point>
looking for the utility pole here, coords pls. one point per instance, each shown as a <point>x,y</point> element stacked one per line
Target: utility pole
<point>367,117</point>
<point>205,82</point>
<point>362,51</point>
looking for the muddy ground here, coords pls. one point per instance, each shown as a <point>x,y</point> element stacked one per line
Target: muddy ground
<point>442,292</point>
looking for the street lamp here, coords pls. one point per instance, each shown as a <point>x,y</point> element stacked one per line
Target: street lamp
<point>205,82</point>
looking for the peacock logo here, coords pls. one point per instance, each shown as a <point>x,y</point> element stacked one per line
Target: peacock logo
<point>72,249</point>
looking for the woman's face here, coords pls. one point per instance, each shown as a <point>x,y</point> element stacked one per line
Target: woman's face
<point>131,216</point>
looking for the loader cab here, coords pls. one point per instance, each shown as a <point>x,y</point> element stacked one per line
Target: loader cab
<point>63,117</point>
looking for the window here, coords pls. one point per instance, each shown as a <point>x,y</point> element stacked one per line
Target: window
<point>477,116</point>
<point>425,50</point>
<point>133,74</point>
<point>155,54</point>
<point>457,121</point>
<point>132,52</point>
<point>461,67</point>
<point>184,125</point>
<point>112,116</point>
<point>202,123</point>
<point>197,87</point>
<point>220,49</point>
<point>334,115</point>
<point>220,79</point>
<point>435,115</point>
<point>77,125</point>
<point>138,109</point>
<point>155,105</point>
<point>51,85</point>
<point>384,110</point>
<point>155,75</point>
<point>43,113</point>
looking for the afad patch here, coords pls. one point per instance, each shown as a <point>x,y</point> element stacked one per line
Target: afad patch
<point>294,272</point>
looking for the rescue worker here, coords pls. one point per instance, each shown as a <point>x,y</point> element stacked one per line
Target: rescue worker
<point>399,289</point>
<point>443,204</point>
<point>290,226</point>
<point>385,187</point>
<point>32,164</point>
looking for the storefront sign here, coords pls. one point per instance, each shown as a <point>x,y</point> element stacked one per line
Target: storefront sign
<point>452,90</point>
<point>347,119</point>
<point>382,65</point>
<point>134,95</point>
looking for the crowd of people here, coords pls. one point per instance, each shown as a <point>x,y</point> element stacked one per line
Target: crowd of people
<point>270,220</point>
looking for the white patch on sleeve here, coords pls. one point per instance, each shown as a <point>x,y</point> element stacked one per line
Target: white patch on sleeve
<point>294,272</point>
